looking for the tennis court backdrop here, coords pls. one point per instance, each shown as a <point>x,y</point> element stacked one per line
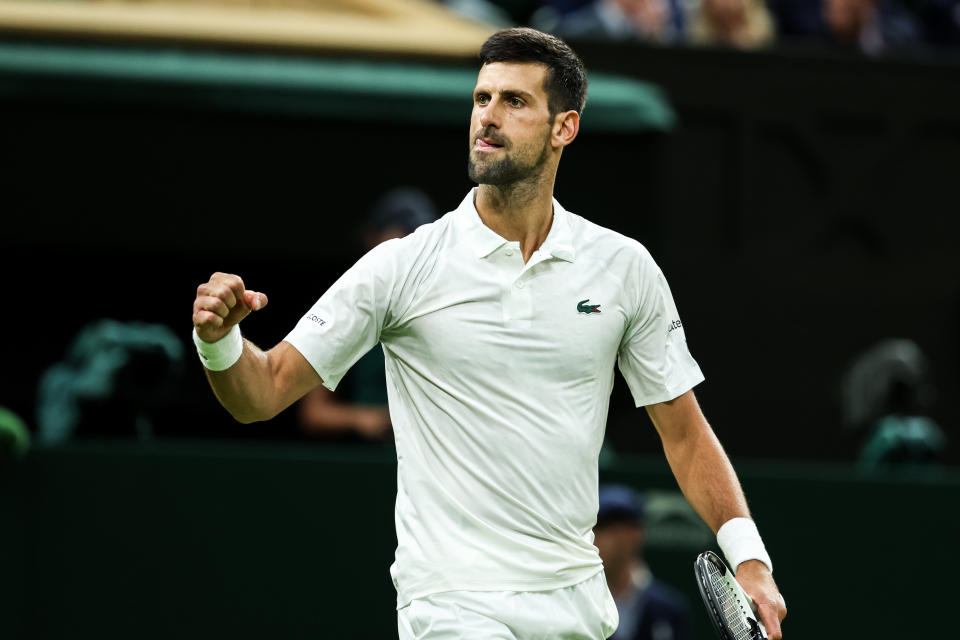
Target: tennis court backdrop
<point>803,206</point>
<point>246,541</point>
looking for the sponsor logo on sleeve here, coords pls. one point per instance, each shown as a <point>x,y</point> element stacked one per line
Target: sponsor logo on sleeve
<point>313,318</point>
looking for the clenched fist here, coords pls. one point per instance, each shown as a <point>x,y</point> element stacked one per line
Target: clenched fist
<point>221,303</point>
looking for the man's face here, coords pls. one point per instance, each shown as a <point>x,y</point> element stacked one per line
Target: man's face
<point>846,17</point>
<point>618,543</point>
<point>510,125</point>
<point>648,16</point>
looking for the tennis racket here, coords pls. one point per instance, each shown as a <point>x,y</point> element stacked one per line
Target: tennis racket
<point>733,613</point>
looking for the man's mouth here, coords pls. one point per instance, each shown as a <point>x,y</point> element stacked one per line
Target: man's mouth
<point>486,144</point>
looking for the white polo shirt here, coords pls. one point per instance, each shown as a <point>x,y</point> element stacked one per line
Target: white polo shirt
<point>499,376</point>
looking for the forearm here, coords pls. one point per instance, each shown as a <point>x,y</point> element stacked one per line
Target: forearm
<point>707,478</point>
<point>335,417</point>
<point>698,461</point>
<point>247,389</point>
<point>710,485</point>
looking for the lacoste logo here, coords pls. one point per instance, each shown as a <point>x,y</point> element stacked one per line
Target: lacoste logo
<point>583,307</point>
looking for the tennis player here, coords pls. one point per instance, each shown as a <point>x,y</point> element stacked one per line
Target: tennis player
<point>501,325</point>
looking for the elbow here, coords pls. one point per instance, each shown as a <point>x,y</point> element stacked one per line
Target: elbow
<point>244,418</point>
<point>249,416</point>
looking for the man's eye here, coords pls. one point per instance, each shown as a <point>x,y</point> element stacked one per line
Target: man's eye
<point>481,99</point>
<point>516,102</point>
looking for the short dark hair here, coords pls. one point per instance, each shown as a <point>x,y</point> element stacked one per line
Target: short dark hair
<point>566,79</point>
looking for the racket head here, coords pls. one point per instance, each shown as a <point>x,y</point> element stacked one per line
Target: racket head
<point>729,608</point>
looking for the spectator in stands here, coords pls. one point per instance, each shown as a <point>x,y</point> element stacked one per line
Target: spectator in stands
<point>872,26</point>
<point>117,379</point>
<point>887,395</point>
<point>744,24</point>
<point>649,610</point>
<point>658,21</point>
<point>358,409</point>
<point>483,11</point>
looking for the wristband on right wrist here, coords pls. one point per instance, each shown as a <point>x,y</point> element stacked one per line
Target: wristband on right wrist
<point>740,541</point>
<point>222,354</point>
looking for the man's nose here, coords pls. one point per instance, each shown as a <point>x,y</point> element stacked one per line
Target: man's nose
<point>489,115</point>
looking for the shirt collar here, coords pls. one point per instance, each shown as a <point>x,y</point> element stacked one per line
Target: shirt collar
<point>483,240</point>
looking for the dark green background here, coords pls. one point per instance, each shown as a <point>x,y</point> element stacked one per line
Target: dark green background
<point>803,207</point>
<point>252,541</point>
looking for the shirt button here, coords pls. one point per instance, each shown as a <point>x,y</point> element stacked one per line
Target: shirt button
<point>509,252</point>
<point>519,284</point>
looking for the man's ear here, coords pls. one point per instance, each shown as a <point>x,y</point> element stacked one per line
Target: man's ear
<point>566,126</point>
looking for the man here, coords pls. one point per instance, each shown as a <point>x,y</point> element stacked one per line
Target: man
<point>872,26</point>
<point>500,324</point>
<point>647,20</point>
<point>649,609</point>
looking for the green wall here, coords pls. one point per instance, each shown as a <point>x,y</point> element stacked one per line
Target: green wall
<point>253,541</point>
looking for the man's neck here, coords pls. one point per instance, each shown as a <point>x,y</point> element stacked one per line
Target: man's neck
<point>619,580</point>
<point>521,212</point>
<point>626,578</point>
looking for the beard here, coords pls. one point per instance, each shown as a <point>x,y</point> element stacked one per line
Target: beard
<point>508,169</point>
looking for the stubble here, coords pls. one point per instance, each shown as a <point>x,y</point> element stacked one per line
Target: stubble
<point>508,169</point>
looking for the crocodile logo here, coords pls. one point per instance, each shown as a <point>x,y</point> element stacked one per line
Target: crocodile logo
<point>583,307</point>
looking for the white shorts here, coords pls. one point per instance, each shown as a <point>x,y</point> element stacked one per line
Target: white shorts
<point>584,611</point>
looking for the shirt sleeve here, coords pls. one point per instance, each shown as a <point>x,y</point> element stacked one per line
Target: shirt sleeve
<point>653,357</point>
<point>346,322</point>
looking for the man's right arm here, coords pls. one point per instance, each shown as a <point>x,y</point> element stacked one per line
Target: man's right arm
<point>260,384</point>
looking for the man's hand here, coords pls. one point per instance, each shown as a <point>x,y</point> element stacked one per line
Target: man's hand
<point>757,581</point>
<point>221,303</point>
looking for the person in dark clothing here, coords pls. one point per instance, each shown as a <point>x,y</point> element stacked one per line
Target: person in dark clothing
<point>649,609</point>
<point>871,26</point>
<point>357,412</point>
<point>659,21</point>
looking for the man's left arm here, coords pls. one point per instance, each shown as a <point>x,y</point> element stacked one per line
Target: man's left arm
<point>710,485</point>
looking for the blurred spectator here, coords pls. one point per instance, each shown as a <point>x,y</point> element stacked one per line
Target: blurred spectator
<point>799,18</point>
<point>886,396</point>
<point>744,24</point>
<point>872,26</point>
<point>358,409</point>
<point>660,21</point>
<point>649,610</point>
<point>115,377</point>
<point>14,437</point>
<point>480,11</point>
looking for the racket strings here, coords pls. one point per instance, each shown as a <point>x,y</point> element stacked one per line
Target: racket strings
<point>731,607</point>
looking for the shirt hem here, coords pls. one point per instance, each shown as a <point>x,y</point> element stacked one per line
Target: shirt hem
<point>672,394</point>
<point>329,381</point>
<point>537,584</point>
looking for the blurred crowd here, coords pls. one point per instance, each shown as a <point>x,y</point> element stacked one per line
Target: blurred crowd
<point>119,378</point>
<point>871,26</point>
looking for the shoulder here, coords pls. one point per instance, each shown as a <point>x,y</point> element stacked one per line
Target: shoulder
<point>402,269</point>
<point>622,253</point>
<point>424,236</point>
<point>420,245</point>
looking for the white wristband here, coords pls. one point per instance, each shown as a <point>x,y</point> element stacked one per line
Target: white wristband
<point>222,354</point>
<point>740,541</point>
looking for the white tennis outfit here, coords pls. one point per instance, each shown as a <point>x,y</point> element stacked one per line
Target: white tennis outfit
<point>499,376</point>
